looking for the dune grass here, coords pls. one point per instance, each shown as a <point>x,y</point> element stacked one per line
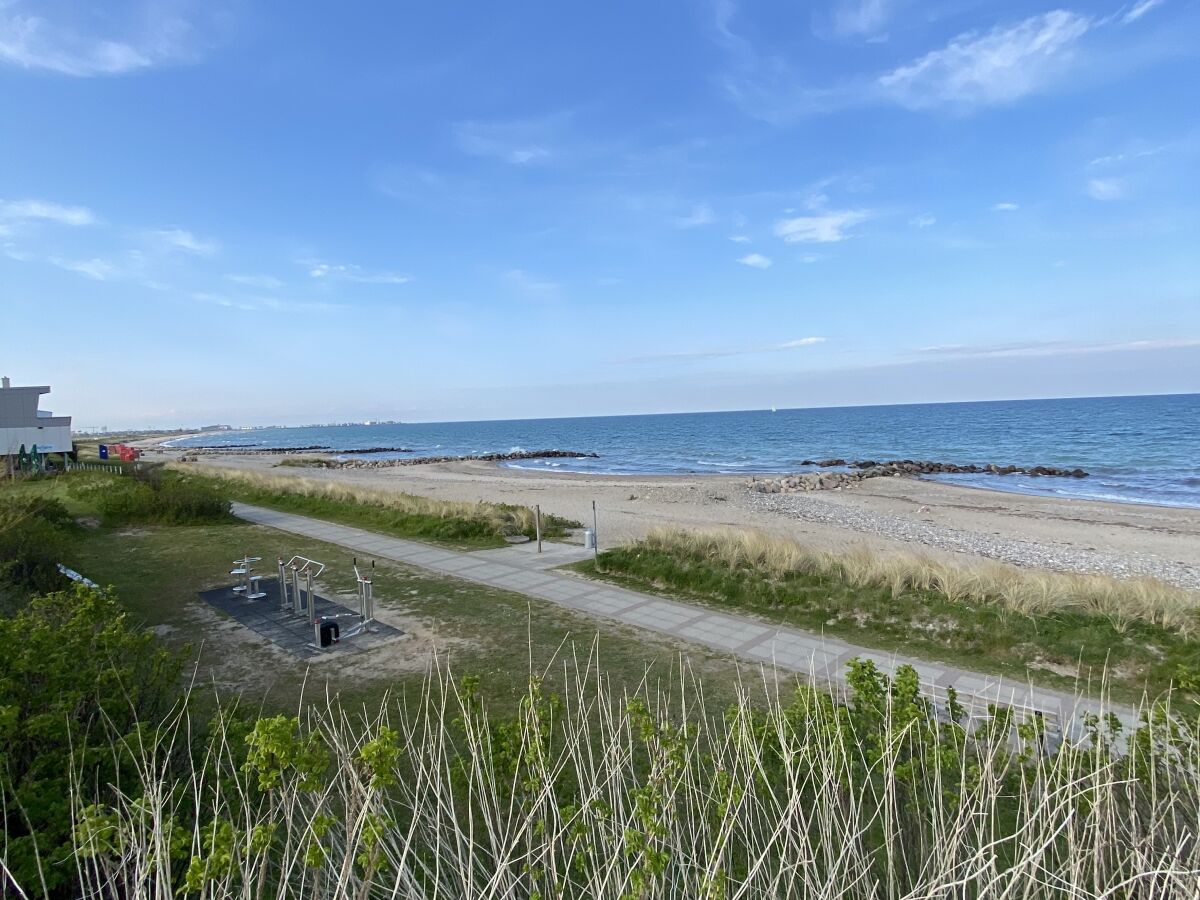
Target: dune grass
<point>595,793</point>
<point>455,524</point>
<point>1140,634</point>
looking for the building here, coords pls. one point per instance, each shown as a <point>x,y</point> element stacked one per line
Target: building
<point>22,423</point>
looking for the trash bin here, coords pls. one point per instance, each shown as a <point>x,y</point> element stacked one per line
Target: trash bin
<point>329,633</point>
<point>589,539</point>
<point>103,448</point>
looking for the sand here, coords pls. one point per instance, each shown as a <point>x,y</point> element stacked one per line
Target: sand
<point>880,514</point>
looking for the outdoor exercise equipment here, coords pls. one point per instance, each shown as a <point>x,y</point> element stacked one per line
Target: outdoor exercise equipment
<point>250,586</point>
<point>295,567</point>
<point>326,629</point>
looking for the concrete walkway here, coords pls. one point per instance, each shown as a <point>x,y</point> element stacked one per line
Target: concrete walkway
<point>521,569</point>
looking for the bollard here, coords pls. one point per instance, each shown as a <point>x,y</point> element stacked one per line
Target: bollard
<point>537,517</point>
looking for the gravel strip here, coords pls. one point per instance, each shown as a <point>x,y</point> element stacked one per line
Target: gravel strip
<point>1021,553</point>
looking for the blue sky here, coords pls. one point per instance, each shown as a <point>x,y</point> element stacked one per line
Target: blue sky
<point>243,212</point>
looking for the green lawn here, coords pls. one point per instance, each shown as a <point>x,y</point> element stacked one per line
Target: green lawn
<point>157,572</point>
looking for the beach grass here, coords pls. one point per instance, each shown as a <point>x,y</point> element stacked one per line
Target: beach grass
<point>589,791</point>
<point>454,524</point>
<point>1139,634</point>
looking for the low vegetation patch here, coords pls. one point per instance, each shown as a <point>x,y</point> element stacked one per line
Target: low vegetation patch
<point>1140,634</point>
<point>151,495</point>
<point>36,534</point>
<point>391,512</point>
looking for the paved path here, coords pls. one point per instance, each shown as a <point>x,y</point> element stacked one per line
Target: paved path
<point>521,569</point>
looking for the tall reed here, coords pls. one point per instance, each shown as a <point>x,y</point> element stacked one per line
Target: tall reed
<point>596,795</point>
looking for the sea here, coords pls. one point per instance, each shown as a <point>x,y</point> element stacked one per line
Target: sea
<point>1135,449</point>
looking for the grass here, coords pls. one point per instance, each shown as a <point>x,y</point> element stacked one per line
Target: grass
<point>157,571</point>
<point>459,525</point>
<point>596,793</point>
<point>1139,635</point>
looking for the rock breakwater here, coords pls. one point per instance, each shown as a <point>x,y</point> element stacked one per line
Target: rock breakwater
<point>861,470</point>
<point>330,463</point>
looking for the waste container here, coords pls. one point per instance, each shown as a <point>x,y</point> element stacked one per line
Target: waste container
<point>329,633</point>
<point>103,448</point>
<point>589,539</point>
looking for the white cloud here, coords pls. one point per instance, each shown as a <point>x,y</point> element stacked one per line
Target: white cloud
<point>349,272</point>
<point>45,210</point>
<point>96,269</point>
<point>998,67</point>
<point>1139,10</point>
<point>180,239</point>
<point>1054,348</point>
<point>263,282</point>
<point>520,142</point>
<point>532,284</point>
<point>853,18</point>
<point>156,35</point>
<point>821,229</point>
<point>755,261</point>
<point>734,351</point>
<point>1005,206</point>
<point>700,215</point>
<point>1105,189</point>
<point>739,238</point>
<point>809,258</point>
<point>925,220</point>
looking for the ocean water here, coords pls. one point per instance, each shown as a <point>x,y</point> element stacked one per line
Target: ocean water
<point>1137,449</point>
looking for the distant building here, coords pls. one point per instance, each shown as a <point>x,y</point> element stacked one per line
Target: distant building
<point>21,422</point>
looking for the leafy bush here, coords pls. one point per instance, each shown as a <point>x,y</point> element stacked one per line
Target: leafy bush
<point>35,535</point>
<point>151,496</point>
<point>73,673</point>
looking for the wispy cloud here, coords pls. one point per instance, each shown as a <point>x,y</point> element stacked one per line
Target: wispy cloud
<point>181,239</point>
<point>925,220</point>
<point>350,272</point>
<point>1005,206</point>
<point>1105,189</point>
<point>733,351</point>
<point>860,18</point>
<point>157,35</point>
<point>262,282</point>
<point>755,261</point>
<point>739,238</point>
<point>532,285</point>
<point>520,142</point>
<point>96,269</point>
<point>263,304</point>
<point>1052,348</point>
<point>47,211</point>
<point>700,215</point>
<point>998,67</point>
<point>820,229</point>
<point>1139,9</point>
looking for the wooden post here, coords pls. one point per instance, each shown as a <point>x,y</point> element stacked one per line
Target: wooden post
<point>537,518</point>
<point>595,533</point>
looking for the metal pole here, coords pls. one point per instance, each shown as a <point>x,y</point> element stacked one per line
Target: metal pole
<point>296,590</point>
<point>312,609</point>
<point>537,515</point>
<point>283,597</point>
<point>595,532</point>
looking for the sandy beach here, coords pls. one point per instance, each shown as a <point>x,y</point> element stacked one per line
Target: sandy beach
<point>882,514</point>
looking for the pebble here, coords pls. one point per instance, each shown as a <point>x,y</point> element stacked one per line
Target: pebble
<point>1021,553</point>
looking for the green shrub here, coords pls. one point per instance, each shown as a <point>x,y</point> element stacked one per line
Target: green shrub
<point>152,496</point>
<point>73,673</point>
<point>35,536</point>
